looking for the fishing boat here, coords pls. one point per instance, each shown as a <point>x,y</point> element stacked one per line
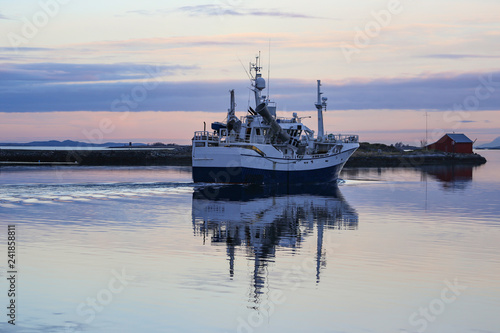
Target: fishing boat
<point>261,148</point>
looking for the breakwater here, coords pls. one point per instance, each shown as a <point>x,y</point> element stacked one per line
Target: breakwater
<point>363,159</point>
<point>172,156</point>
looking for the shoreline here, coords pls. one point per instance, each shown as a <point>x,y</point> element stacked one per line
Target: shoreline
<point>412,159</point>
<point>181,156</point>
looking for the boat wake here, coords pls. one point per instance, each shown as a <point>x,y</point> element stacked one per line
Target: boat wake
<point>13,196</point>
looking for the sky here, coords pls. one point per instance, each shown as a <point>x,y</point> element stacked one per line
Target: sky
<point>153,71</point>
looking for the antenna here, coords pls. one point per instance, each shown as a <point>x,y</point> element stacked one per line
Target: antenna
<point>244,68</point>
<point>258,62</point>
<point>426,128</point>
<point>269,68</point>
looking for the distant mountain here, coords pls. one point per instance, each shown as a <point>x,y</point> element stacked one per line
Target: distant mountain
<point>493,144</point>
<point>69,143</point>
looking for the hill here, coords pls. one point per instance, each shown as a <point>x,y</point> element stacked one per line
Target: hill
<point>495,144</point>
<point>67,143</point>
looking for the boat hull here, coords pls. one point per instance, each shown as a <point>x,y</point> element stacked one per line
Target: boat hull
<point>262,176</point>
<point>244,166</point>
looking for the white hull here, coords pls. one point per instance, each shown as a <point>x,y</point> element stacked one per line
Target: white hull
<point>263,164</point>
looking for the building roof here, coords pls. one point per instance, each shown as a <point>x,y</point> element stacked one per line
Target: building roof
<point>459,137</point>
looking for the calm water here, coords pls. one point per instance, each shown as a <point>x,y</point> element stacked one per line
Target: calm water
<point>144,250</point>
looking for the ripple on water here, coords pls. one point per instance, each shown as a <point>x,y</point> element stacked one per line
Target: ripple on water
<point>29,194</point>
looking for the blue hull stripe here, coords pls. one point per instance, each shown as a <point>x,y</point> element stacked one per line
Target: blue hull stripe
<point>350,151</point>
<point>259,176</point>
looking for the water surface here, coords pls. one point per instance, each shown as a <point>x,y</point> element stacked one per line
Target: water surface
<point>143,249</point>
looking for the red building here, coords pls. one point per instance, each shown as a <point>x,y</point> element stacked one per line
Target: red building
<point>453,143</point>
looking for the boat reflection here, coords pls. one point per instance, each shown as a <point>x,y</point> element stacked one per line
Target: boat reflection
<point>261,219</point>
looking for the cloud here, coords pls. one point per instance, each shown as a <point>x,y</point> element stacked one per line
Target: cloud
<point>42,90</point>
<point>223,10</point>
<point>3,17</point>
<point>148,95</point>
<point>62,72</point>
<point>142,12</point>
<point>143,45</point>
<point>444,91</point>
<point>24,49</point>
<point>459,56</point>
<point>220,10</point>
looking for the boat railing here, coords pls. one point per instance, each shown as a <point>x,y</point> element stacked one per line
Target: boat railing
<point>341,138</point>
<point>206,136</point>
<point>284,120</point>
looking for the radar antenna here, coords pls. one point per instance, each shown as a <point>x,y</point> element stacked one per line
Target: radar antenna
<point>320,105</point>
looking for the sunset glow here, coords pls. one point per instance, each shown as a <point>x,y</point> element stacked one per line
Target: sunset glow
<point>168,67</point>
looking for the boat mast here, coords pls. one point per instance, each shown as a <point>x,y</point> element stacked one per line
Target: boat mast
<point>232,108</point>
<point>320,105</point>
<point>258,82</point>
